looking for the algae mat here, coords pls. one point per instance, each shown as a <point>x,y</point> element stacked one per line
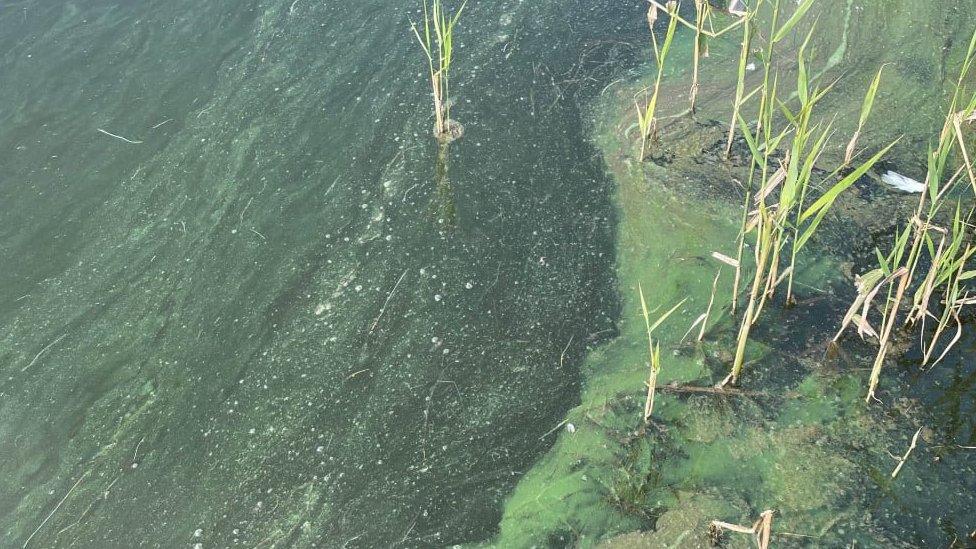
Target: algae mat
<point>795,437</point>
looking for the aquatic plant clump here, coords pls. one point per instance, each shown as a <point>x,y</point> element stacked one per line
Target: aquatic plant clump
<point>437,42</point>
<point>937,263</point>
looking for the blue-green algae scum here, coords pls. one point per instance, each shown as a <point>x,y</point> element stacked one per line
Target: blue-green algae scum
<point>245,303</point>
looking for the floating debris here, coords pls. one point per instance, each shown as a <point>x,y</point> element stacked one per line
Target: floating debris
<point>902,183</point>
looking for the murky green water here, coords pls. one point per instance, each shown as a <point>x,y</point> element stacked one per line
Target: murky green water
<point>238,311</point>
<point>265,323</point>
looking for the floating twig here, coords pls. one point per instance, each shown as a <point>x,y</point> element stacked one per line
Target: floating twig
<point>56,507</point>
<point>44,350</point>
<point>708,311</point>
<point>110,134</point>
<point>135,454</point>
<point>562,355</point>
<point>901,461</point>
<point>761,529</point>
<point>554,429</point>
<point>387,302</point>
<point>329,190</point>
<point>717,390</point>
<point>245,209</point>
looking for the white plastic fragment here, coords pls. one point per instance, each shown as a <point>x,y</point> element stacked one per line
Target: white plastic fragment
<point>902,183</point>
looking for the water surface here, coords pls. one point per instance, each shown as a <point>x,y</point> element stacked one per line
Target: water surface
<point>250,316</point>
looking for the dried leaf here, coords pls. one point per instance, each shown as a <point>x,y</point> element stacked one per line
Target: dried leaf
<point>726,259</point>
<point>774,181</point>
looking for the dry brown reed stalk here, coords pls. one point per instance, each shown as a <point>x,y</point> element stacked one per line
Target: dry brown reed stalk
<point>953,302</point>
<point>761,529</point>
<point>904,458</point>
<point>885,335</point>
<point>673,387</point>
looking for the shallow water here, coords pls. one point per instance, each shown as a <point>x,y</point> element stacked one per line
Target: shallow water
<point>252,317</point>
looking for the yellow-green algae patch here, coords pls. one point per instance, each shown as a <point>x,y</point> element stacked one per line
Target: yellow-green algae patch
<point>567,490</point>
<point>602,477</point>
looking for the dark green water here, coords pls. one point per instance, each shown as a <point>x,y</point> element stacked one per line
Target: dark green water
<point>204,339</point>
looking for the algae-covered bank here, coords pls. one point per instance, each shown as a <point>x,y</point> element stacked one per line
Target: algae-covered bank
<point>794,439</point>
<point>294,273</point>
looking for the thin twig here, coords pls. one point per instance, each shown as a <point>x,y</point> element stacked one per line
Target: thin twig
<point>563,354</point>
<point>354,374</point>
<point>329,190</point>
<point>387,302</point>
<point>708,311</point>
<point>901,462</point>
<point>245,209</point>
<point>110,134</point>
<point>135,454</point>
<point>554,429</point>
<point>44,350</point>
<point>729,391</point>
<point>56,507</point>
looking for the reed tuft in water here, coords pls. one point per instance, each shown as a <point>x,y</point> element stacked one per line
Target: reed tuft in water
<point>646,113</point>
<point>777,211</point>
<point>654,350</point>
<point>436,38</point>
<point>925,273</point>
